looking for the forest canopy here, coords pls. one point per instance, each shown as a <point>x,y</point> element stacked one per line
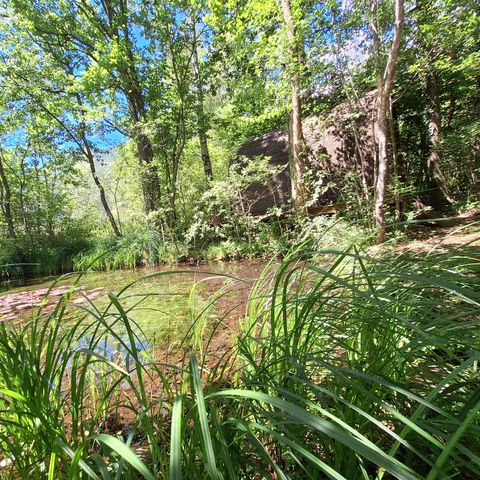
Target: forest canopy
<point>121,121</point>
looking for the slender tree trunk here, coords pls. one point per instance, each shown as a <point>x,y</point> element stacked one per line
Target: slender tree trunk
<point>88,153</point>
<point>26,225</point>
<point>451,111</point>
<point>7,200</point>
<point>476,157</point>
<point>199,103</point>
<point>103,197</point>
<point>381,133</point>
<point>385,79</point>
<point>439,194</point>
<point>21,199</point>
<point>297,144</point>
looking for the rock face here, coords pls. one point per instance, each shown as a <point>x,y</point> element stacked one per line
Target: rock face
<point>338,144</point>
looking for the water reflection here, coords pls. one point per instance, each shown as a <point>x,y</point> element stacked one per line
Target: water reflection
<point>158,301</point>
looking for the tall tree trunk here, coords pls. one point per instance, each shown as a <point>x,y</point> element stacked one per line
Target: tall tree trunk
<point>149,175</point>
<point>149,180</point>
<point>199,103</point>
<point>439,194</point>
<point>7,200</point>
<point>385,79</point>
<point>132,89</point>
<point>296,140</point>
<point>22,182</point>
<point>381,134</point>
<point>397,159</point>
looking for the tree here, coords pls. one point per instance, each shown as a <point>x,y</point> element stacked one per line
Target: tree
<point>443,51</point>
<point>99,37</point>
<point>385,77</point>
<point>263,43</point>
<point>55,100</point>
<point>202,126</point>
<point>438,185</point>
<point>297,144</point>
<point>87,150</point>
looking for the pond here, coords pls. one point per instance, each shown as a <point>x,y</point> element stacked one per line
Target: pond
<point>163,302</point>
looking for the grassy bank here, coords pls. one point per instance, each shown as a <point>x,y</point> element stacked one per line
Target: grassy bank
<point>77,251</point>
<point>345,367</point>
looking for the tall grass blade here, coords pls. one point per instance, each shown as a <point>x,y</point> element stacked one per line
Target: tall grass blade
<point>204,422</point>
<point>176,439</point>
<point>126,454</point>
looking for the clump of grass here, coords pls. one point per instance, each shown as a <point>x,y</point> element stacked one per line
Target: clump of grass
<point>63,385</point>
<point>133,250</point>
<point>346,368</point>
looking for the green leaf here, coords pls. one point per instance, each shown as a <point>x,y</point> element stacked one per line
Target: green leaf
<point>176,440</point>
<point>204,424</point>
<point>363,447</point>
<point>126,453</point>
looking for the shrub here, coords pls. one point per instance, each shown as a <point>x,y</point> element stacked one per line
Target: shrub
<point>41,255</point>
<point>227,250</point>
<point>331,232</point>
<point>10,258</point>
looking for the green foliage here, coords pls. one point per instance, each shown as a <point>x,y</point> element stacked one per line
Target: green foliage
<point>345,368</point>
<point>97,117</point>
<point>228,250</point>
<point>226,211</point>
<point>332,232</point>
<point>136,249</point>
<point>10,258</point>
<point>39,255</point>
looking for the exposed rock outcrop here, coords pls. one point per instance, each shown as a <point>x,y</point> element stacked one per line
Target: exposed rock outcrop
<point>339,143</point>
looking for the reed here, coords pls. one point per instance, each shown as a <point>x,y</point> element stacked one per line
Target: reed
<point>345,367</point>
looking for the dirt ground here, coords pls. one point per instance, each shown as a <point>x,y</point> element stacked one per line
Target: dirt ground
<point>462,231</point>
<point>443,239</point>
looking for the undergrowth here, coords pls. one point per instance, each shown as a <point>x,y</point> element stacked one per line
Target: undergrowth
<point>345,368</point>
<point>26,256</point>
<point>136,249</point>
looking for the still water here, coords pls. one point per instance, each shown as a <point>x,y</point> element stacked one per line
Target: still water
<point>162,301</point>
